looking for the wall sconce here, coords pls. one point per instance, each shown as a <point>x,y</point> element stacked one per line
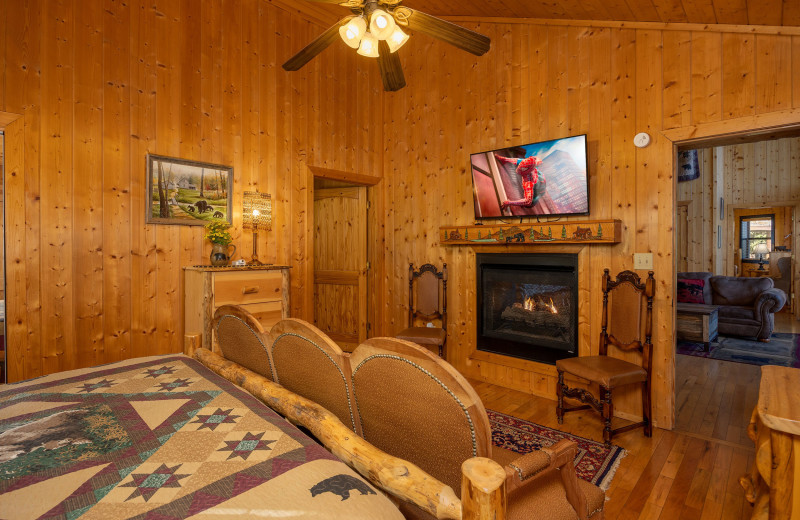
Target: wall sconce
<point>256,214</point>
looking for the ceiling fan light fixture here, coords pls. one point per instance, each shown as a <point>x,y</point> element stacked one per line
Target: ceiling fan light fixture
<point>353,31</point>
<point>397,39</point>
<point>369,46</point>
<point>381,24</point>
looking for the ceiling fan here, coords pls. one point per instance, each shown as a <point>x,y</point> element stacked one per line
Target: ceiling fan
<point>375,29</point>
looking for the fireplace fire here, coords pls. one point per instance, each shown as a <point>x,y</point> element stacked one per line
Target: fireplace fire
<point>528,305</point>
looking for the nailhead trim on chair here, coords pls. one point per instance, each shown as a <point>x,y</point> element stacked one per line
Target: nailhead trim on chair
<point>344,379</point>
<point>455,398</point>
<point>519,471</point>
<point>269,362</point>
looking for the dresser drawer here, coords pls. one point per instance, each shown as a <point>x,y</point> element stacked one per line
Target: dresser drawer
<point>247,287</point>
<point>268,313</point>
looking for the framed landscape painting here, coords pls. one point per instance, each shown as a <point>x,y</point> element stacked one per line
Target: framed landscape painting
<point>187,192</point>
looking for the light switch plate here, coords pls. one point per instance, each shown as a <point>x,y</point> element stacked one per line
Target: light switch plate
<point>642,260</point>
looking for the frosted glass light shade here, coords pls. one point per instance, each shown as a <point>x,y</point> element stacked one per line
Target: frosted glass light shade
<point>353,31</point>
<point>381,24</point>
<point>397,39</point>
<point>369,46</point>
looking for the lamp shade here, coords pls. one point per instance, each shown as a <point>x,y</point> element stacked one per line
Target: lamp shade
<point>256,210</point>
<point>397,39</point>
<point>761,248</point>
<point>369,46</point>
<point>381,24</point>
<point>353,31</point>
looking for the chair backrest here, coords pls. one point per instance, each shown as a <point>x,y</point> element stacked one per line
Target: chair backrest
<point>413,405</point>
<point>627,321</point>
<point>241,339</point>
<point>427,294</point>
<point>308,363</point>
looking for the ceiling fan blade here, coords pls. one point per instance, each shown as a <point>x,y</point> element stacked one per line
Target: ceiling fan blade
<point>319,44</point>
<point>391,69</point>
<point>451,33</point>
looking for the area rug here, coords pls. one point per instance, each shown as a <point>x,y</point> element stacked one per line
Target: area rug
<point>594,463</point>
<point>783,350</point>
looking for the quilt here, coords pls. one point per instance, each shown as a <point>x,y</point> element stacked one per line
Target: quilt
<point>164,438</point>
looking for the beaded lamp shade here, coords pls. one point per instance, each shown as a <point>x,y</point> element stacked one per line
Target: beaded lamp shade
<point>257,210</point>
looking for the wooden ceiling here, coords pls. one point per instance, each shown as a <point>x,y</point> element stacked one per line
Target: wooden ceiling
<point>734,12</point>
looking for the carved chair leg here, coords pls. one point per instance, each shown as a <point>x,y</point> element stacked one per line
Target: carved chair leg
<point>608,413</point>
<point>560,394</point>
<point>646,409</point>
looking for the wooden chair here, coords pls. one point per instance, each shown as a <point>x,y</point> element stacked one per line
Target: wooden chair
<point>416,406</point>
<point>627,324</point>
<point>307,362</point>
<point>241,338</point>
<point>428,304</point>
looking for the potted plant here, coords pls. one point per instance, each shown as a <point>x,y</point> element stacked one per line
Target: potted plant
<point>219,236</point>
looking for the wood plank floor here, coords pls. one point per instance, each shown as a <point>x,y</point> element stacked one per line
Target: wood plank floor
<point>672,475</point>
<point>691,472</point>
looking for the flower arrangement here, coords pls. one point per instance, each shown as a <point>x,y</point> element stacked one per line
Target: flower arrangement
<point>217,233</point>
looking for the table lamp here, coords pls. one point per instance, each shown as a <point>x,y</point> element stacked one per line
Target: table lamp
<point>761,249</point>
<point>256,213</point>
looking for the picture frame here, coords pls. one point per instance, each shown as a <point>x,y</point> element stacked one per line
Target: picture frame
<point>184,192</point>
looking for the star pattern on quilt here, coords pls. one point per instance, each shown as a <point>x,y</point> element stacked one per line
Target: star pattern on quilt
<point>174,385</point>
<point>211,422</point>
<point>97,385</point>
<point>246,446</point>
<point>147,484</point>
<point>156,372</point>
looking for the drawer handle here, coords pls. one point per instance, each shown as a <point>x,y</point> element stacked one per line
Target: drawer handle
<point>250,290</point>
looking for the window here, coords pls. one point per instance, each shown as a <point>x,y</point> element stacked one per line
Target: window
<point>756,229</point>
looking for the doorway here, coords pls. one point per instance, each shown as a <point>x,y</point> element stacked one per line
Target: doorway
<point>3,348</point>
<point>341,261</point>
<point>748,174</point>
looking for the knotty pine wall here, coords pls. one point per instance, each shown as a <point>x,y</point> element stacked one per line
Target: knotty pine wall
<point>762,174</point>
<point>544,81</point>
<point>103,82</point>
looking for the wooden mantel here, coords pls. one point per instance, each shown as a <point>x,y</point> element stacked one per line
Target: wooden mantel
<point>566,232</point>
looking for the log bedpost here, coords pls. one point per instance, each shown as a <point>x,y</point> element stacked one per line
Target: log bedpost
<point>483,490</point>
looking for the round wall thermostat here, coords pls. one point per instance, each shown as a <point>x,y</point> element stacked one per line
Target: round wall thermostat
<point>641,140</point>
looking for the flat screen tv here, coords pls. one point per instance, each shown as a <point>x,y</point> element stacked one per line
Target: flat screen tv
<point>546,178</point>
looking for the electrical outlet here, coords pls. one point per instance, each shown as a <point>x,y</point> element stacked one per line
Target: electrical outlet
<point>642,260</point>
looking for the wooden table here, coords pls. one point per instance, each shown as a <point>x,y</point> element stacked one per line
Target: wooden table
<point>697,322</point>
<point>773,484</point>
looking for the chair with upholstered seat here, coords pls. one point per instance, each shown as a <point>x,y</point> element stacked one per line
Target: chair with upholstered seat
<point>627,325</point>
<point>241,339</point>
<point>416,406</point>
<point>427,303</point>
<point>307,362</point>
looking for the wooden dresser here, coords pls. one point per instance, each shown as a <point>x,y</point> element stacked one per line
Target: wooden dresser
<point>773,484</point>
<point>261,290</point>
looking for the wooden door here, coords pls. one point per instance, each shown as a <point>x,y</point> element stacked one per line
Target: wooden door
<point>340,264</point>
<point>682,236</point>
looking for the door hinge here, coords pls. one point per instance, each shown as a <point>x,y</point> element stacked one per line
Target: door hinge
<point>368,266</point>
<point>369,204</point>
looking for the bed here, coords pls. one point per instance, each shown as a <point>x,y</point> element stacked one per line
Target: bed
<point>164,438</point>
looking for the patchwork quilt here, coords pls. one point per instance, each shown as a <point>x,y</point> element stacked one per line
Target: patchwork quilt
<point>164,438</point>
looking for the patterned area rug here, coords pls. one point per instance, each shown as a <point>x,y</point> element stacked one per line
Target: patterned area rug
<point>595,463</point>
<point>782,350</point>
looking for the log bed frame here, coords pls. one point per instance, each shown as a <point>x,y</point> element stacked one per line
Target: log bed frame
<point>483,484</point>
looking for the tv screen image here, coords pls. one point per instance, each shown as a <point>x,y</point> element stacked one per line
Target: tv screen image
<point>546,178</point>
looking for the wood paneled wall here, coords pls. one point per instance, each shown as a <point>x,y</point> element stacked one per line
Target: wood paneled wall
<point>103,82</point>
<point>542,82</point>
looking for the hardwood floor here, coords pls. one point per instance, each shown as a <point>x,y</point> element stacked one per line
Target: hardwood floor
<point>689,473</point>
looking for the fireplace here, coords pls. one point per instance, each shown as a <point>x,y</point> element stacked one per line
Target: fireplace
<point>528,305</point>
